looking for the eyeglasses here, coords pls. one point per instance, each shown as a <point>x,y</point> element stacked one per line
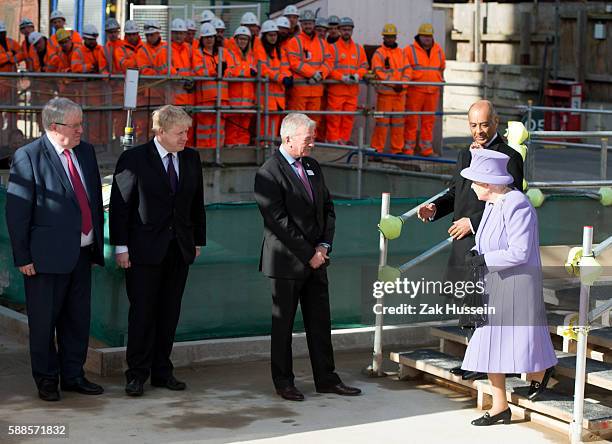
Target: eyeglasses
<point>72,126</point>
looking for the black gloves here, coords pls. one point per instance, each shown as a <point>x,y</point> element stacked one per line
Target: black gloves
<point>288,82</point>
<point>473,259</point>
<point>253,72</point>
<point>223,68</point>
<point>398,88</point>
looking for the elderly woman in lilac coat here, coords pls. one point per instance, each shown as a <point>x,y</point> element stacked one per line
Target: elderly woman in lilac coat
<point>515,338</point>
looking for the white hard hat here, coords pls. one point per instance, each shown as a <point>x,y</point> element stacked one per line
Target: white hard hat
<point>151,27</point>
<point>178,24</point>
<point>207,16</point>
<point>269,26</point>
<point>242,30</point>
<point>283,22</point>
<point>57,14</point>
<point>2,26</point>
<point>111,24</point>
<point>25,22</point>
<point>207,30</point>
<point>90,32</point>
<point>191,25</point>
<point>291,10</point>
<point>249,19</point>
<point>131,27</point>
<point>218,23</point>
<point>34,37</point>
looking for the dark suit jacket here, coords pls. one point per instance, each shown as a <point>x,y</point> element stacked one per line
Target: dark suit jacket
<point>42,212</point>
<point>293,225</point>
<point>461,200</point>
<point>144,213</point>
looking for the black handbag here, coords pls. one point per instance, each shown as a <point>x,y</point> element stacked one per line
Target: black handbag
<point>476,271</point>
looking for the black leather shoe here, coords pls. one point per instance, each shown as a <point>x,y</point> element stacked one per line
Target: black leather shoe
<point>487,420</point>
<point>290,393</point>
<point>134,388</point>
<point>473,376</point>
<point>537,388</point>
<point>83,386</point>
<point>47,390</point>
<point>340,389</point>
<point>457,371</point>
<point>171,383</point>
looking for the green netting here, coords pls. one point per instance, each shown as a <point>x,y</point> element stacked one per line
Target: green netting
<point>226,296</point>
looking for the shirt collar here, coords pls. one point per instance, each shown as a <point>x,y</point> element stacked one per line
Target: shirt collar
<point>161,150</point>
<point>290,159</point>
<point>488,144</point>
<point>58,149</point>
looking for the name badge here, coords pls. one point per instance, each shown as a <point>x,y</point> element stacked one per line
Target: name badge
<point>310,172</point>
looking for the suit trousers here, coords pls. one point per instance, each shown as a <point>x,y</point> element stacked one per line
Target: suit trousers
<point>155,293</point>
<point>313,296</point>
<point>59,304</point>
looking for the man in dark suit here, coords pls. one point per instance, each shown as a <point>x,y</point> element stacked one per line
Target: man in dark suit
<point>299,224</point>
<point>158,223</point>
<point>460,199</point>
<point>55,221</point>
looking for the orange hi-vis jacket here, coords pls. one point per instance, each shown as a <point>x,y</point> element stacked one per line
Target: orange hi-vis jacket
<point>114,52</point>
<point>180,65</point>
<point>347,58</point>
<point>128,59</point>
<point>390,64</point>
<point>306,56</point>
<point>76,39</point>
<point>85,60</point>
<point>240,65</point>
<point>230,44</point>
<point>11,56</point>
<point>426,68</point>
<point>61,61</point>
<point>147,61</point>
<point>25,50</point>
<point>205,64</point>
<point>276,70</point>
<point>33,60</point>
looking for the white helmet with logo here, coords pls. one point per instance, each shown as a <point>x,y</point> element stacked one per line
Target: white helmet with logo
<point>218,23</point>
<point>191,25</point>
<point>34,37</point>
<point>131,27</point>
<point>269,26</point>
<point>90,32</point>
<point>178,24</point>
<point>151,27</point>
<point>283,22</point>
<point>207,30</point>
<point>207,16</point>
<point>249,19</point>
<point>57,14</point>
<point>291,10</point>
<point>242,30</point>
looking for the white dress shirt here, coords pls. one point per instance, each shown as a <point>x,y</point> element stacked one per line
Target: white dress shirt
<point>86,239</point>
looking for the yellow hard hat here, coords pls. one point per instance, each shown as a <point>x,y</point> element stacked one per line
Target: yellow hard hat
<point>389,29</point>
<point>62,35</point>
<point>426,29</point>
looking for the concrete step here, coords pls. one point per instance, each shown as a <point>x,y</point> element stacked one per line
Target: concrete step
<point>597,417</point>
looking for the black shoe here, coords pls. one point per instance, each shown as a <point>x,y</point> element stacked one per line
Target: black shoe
<point>473,376</point>
<point>458,371</point>
<point>171,383</point>
<point>340,389</point>
<point>83,386</point>
<point>537,388</point>
<point>134,388</point>
<point>47,390</point>
<point>487,420</point>
<point>290,393</point>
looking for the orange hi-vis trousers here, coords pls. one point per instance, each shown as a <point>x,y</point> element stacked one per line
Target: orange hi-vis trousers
<point>306,103</point>
<point>340,127</point>
<point>206,128</point>
<point>394,103</point>
<point>420,101</point>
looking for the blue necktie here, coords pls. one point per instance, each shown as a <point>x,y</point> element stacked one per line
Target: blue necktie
<point>172,174</point>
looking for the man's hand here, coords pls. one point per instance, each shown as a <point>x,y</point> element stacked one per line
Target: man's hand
<point>323,250</point>
<point>426,211</point>
<point>123,260</point>
<point>318,258</point>
<point>460,228</point>
<point>27,270</point>
<point>198,251</point>
<point>475,146</point>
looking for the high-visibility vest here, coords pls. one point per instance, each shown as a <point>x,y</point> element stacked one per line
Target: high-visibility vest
<point>347,58</point>
<point>275,69</point>
<point>426,68</point>
<point>11,56</point>
<point>25,50</point>
<point>390,64</point>
<point>180,65</point>
<point>241,93</point>
<point>128,58</point>
<point>206,65</point>
<point>147,61</point>
<point>61,61</point>
<point>306,56</point>
<point>76,39</point>
<point>114,53</point>
<point>85,60</point>
<point>33,59</point>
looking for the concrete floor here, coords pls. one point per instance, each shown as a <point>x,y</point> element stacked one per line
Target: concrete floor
<point>235,403</point>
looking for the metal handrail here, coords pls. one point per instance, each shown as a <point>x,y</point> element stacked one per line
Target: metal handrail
<point>571,134</point>
<point>560,109</point>
<point>425,255</point>
<point>570,184</point>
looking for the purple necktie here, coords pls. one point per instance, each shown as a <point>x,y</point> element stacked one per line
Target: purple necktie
<point>81,195</point>
<point>172,174</point>
<point>304,179</point>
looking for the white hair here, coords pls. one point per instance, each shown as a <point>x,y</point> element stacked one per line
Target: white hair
<point>293,122</point>
<point>56,110</point>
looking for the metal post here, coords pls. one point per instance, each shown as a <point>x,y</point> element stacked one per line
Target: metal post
<point>477,57</point>
<point>366,113</point>
<point>218,106</point>
<point>485,79</point>
<point>603,165</point>
<point>360,162</point>
<point>530,153</point>
<point>383,245</point>
<point>258,104</point>
<point>581,349</point>
<point>266,110</point>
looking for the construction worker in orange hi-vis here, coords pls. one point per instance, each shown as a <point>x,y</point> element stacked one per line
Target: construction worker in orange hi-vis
<point>57,20</point>
<point>219,26</point>
<point>207,16</point>
<point>427,61</point>
<point>10,56</point>
<point>349,65</point>
<point>140,118</point>
<point>114,52</point>
<point>192,30</point>
<point>26,27</point>
<point>40,52</point>
<point>389,64</point>
<point>89,58</point>
<point>241,94</point>
<point>293,15</point>
<point>274,67</point>
<point>206,64</point>
<point>131,45</point>
<point>307,58</point>
<point>333,31</point>
<point>283,25</point>
<point>321,32</point>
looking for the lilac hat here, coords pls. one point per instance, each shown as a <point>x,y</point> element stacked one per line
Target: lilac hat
<point>488,166</point>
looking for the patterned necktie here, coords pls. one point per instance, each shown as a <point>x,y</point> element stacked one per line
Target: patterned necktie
<point>172,174</point>
<point>304,179</point>
<point>81,195</point>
